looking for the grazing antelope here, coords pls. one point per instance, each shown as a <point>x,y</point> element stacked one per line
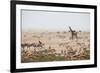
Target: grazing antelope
<point>24,45</point>
<point>40,44</point>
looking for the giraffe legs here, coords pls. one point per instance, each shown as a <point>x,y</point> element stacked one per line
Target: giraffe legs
<point>74,34</point>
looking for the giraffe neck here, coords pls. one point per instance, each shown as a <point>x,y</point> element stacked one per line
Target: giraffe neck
<point>70,29</point>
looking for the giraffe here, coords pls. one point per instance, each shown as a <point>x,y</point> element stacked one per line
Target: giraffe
<point>73,33</point>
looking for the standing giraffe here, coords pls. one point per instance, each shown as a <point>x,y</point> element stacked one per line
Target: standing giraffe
<point>73,33</point>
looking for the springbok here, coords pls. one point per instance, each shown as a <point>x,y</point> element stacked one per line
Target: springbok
<point>40,44</point>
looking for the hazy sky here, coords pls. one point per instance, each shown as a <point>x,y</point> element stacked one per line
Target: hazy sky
<point>54,21</point>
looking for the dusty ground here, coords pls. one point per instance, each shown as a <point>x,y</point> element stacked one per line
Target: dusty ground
<point>57,44</point>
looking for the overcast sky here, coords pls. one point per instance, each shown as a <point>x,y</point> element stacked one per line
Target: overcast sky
<point>54,21</point>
